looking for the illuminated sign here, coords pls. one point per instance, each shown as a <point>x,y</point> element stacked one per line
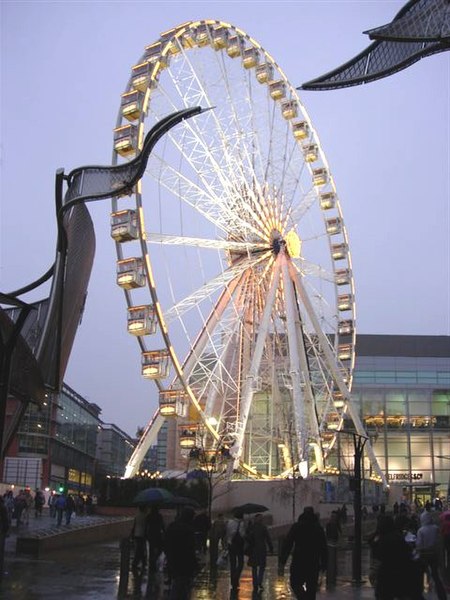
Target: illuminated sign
<point>405,476</point>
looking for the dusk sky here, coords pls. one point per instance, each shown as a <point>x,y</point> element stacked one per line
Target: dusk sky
<point>64,66</point>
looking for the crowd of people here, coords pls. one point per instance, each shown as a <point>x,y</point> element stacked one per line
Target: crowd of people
<point>408,549</point>
<point>18,508</point>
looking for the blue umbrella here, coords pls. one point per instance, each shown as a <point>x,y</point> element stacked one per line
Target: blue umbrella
<point>154,495</point>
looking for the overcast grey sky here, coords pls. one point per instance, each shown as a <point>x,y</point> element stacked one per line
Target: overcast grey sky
<point>64,66</point>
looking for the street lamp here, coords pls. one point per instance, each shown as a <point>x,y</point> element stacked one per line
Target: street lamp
<point>359,442</point>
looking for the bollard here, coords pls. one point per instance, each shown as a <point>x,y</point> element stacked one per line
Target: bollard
<point>125,550</point>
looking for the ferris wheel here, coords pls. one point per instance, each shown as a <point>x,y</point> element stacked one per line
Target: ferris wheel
<point>234,257</point>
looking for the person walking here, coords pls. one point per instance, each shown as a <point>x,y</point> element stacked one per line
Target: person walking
<point>306,540</point>
<point>216,540</point>
<point>258,541</point>
<point>60,506</point>
<point>235,535</point>
<point>181,557</point>
<point>394,575</point>
<point>428,543</point>
<point>201,529</point>
<point>138,535</point>
<point>69,508</point>
<point>154,532</point>
<point>333,532</point>
<point>39,501</point>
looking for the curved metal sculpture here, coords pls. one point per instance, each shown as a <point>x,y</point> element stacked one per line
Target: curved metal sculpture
<point>421,28</point>
<point>41,334</point>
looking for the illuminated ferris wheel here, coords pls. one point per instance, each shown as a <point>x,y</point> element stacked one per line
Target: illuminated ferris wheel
<point>234,257</point>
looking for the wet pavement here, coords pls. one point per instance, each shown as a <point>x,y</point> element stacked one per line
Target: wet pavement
<point>93,572</point>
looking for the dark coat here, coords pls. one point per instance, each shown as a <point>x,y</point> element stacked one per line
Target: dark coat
<point>306,540</point>
<point>180,549</point>
<point>258,540</point>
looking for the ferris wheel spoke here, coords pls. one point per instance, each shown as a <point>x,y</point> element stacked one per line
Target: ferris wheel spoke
<point>212,204</point>
<point>209,289</point>
<point>165,239</point>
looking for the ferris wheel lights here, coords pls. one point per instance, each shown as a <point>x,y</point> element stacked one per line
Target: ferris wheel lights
<point>327,200</point>
<point>202,35</point>
<point>155,364</point>
<point>300,130</point>
<point>334,226</point>
<point>173,403</point>
<point>130,273</point>
<point>345,327</point>
<point>264,73</point>
<point>141,75</point>
<point>345,302</point>
<point>277,89</point>
<point>339,251</point>
<point>342,276</point>
<point>250,58</point>
<point>220,37</point>
<point>236,45</point>
<point>142,320</point>
<point>124,226</point>
<point>320,176</point>
<point>311,152</point>
<point>345,351</point>
<point>289,109</point>
<point>131,104</point>
<point>125,140</point>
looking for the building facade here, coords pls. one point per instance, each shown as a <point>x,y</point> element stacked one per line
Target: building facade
<point>64,445</point>
<point>402,391</point>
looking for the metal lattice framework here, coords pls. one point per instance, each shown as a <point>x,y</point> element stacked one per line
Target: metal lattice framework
<point>421,28</point>
<point>234,256</point>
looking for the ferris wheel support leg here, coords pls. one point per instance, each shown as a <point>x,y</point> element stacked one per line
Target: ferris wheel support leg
<point>301,426</point>
<point>148,438</point>
<point>247,396</point>
<point>331,363</point>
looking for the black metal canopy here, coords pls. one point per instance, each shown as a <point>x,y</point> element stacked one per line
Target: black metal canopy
<point>421,28</point>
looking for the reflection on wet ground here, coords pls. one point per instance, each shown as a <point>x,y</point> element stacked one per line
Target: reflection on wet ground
<point>92,572</point>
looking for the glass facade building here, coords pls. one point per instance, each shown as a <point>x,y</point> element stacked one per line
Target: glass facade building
<point>402,391</point>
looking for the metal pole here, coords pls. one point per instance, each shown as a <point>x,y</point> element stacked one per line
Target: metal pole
<point>358,443</point>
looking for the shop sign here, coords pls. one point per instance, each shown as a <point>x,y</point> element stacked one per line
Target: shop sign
<point>405,476</point>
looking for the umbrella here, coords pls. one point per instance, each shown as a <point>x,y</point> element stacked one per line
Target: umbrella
<point>153,496</point>
<point>250,508</point>
<point>179,501</point>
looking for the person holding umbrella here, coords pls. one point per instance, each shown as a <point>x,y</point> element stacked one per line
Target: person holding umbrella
<point>235,535</point>
<point>258,540</point>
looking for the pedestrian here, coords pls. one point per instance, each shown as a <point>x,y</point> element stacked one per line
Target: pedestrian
<point>28,499</point>
<point>60,506</point>
<point>181,557</point>
<point>445,531</point>
<point>39,501</point>
<point>306,540</point>
<point>4,528</point>
<point>69,508</point>
<point>138,536</point>
<point>9,503</point>
<point>201,530</point>
<point>394,562</point>
<point>257,542</point>
<point>52,504</point>
<point>333,532</point>
<point>428,544</point>
<point>154,533</point>
<point>89,504</point>
<point>217,540</point>
<point>235,535</point>
<point>19,506</point>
